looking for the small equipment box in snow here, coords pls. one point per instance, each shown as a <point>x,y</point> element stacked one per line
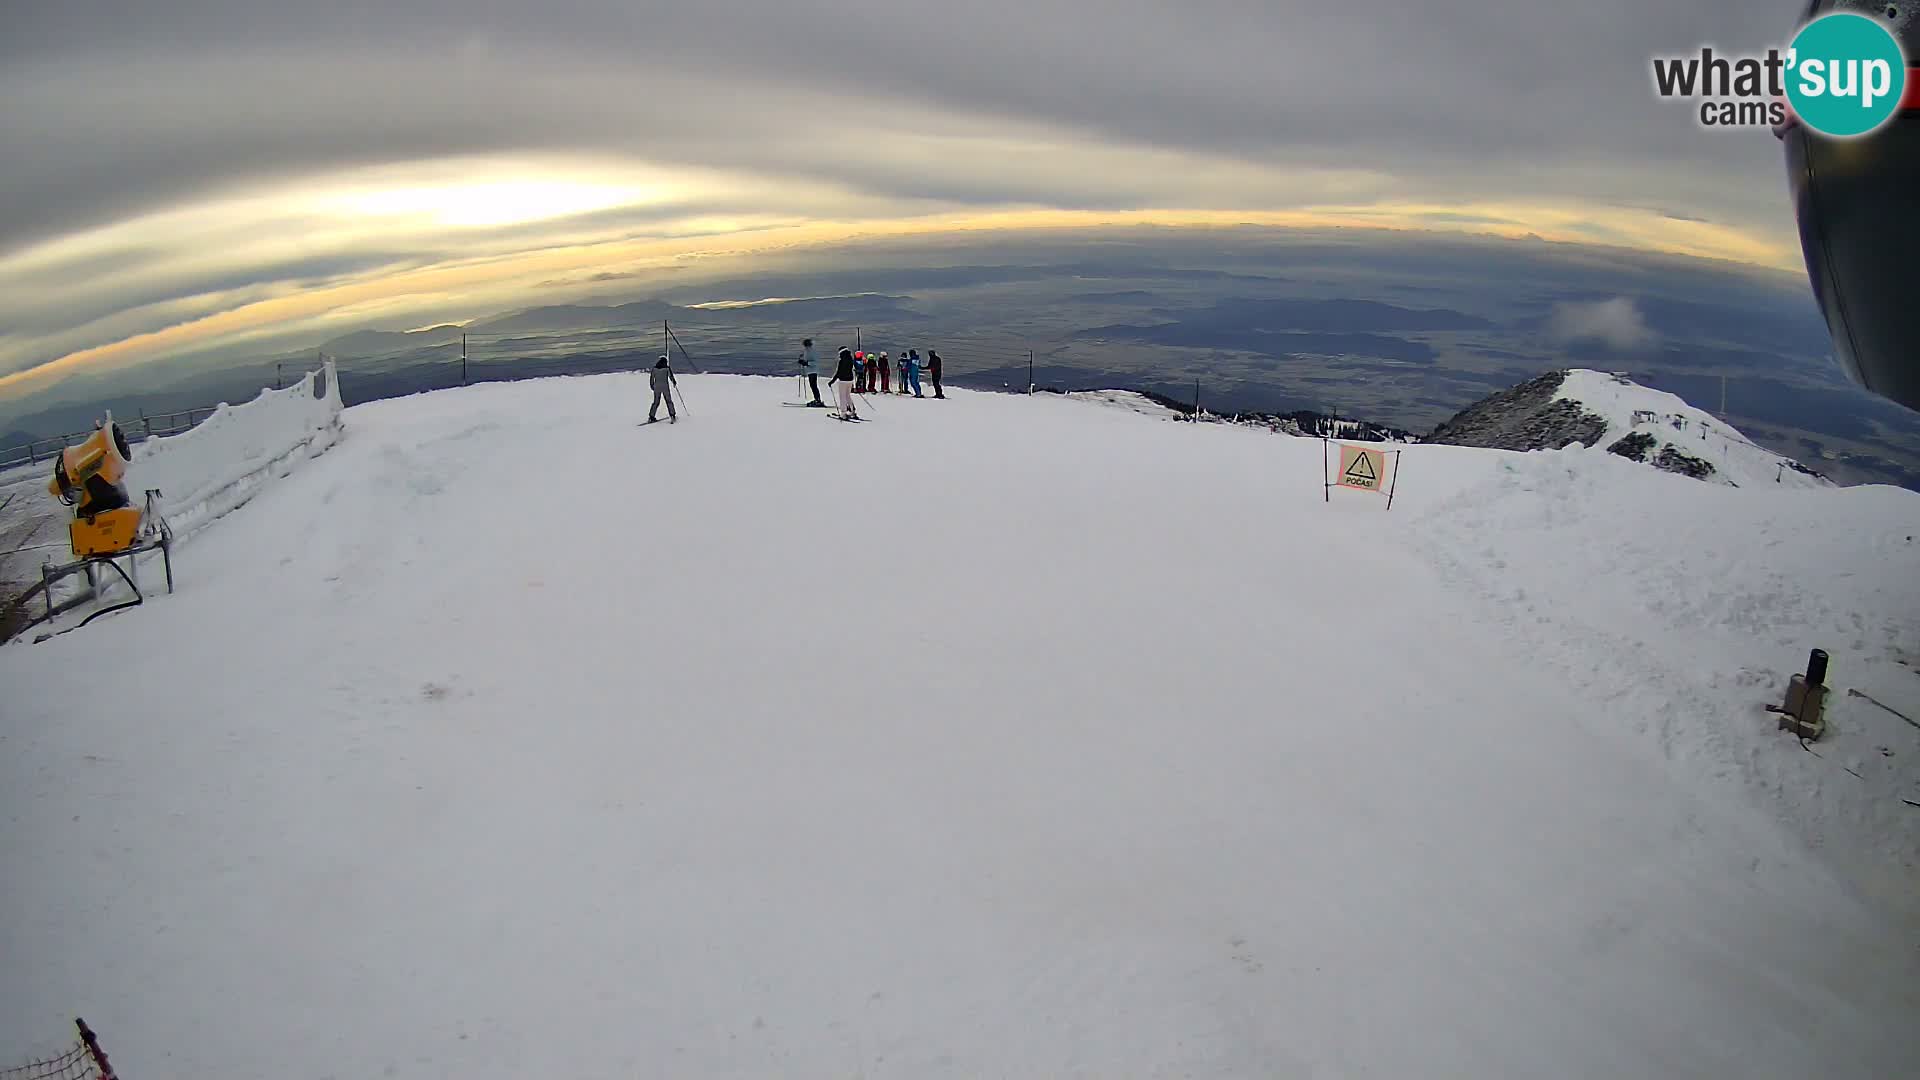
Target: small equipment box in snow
<point>1805,713</point>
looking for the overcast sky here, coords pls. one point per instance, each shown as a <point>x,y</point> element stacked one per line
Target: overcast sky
<point>189,171</point>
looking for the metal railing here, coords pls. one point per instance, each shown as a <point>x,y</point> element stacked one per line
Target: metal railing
<point>143,427</point>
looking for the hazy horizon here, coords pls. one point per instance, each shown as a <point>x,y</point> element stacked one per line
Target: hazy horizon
<point>1398,329</point>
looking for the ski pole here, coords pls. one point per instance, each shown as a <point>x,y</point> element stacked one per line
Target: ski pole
<point>1855,693</point>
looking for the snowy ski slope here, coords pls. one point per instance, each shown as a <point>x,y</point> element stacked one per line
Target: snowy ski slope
<point>1000,736</point>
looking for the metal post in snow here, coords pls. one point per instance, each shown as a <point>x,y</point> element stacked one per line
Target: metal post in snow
<point>92,1042</point>
<point>463,359</point>
<point>276,376</point>
<point>1396,478</point>
<point>1029,372</point>
<point>1326,486</point>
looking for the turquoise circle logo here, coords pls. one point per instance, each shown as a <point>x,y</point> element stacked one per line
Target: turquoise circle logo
<point>1847,74</point>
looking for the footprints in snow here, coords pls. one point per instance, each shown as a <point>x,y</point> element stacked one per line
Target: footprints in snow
<point>1244,957</point>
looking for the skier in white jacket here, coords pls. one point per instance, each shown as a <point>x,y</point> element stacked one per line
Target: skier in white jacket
<point>810,367</point>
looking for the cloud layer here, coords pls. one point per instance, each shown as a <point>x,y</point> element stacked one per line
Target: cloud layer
<point>169,163</point>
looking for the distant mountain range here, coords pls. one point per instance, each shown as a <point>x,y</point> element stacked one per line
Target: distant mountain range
<point>1404,335</point>
<point>565,318</point>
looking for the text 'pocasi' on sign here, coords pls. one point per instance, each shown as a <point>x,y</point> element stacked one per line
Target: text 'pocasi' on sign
<point>1362,468</point>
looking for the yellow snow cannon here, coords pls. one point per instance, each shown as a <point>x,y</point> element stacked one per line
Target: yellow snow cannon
<point>89,477</point>
<point>108,532</point>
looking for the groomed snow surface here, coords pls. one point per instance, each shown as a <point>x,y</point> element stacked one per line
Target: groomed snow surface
<point>1000,736</point>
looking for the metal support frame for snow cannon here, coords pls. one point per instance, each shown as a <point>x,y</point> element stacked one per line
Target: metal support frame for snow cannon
<point>155,535</point>
<point>1805,713</point>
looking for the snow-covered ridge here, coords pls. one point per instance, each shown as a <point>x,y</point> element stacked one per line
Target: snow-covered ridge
<point>1661,429</point>
<point>1129,400</point>
<point>1616,414</point>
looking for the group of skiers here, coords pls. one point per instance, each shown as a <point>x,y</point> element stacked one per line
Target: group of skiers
<point>862,372</point>
<point>859,372</point>
<point>873,372</point>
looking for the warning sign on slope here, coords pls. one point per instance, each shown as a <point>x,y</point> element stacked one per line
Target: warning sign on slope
<point>1361,468</point>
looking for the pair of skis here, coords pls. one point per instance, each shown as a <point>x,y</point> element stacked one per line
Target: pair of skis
<point>835,413</point>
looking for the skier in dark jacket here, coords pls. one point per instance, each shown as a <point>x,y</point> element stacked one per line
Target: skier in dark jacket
<point>843,385</point>
<point>662,380</point>
<point>933,369</point>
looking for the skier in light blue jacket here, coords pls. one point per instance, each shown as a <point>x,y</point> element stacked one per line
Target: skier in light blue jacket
<point>910,371</point>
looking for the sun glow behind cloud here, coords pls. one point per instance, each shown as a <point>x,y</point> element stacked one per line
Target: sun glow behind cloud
<point>462,202</point>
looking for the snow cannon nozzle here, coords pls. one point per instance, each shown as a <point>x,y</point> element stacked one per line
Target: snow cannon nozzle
<point>1817,667</point>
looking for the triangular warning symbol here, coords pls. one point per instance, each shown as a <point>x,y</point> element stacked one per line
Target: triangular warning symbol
<point>1360,470</point>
